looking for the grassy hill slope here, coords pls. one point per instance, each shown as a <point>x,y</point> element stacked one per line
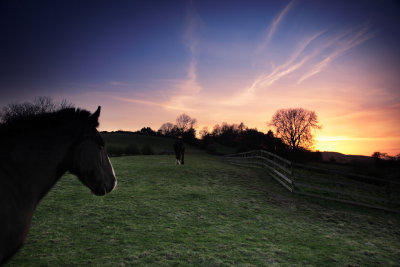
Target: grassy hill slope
<point>204,213</point>
<point>342,158</point>
<point>118,142</point>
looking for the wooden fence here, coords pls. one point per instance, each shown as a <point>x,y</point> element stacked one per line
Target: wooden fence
<point>324,183</point>
<point>279,168</point>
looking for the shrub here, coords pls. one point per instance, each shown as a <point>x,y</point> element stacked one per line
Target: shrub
<point>147,150</point>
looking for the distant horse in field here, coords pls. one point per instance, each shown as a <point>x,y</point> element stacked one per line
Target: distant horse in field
<point>179,148</point>
<point>35,152</point>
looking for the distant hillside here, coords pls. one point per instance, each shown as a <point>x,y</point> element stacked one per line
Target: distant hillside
<point>342,158</point>
<point>119,143</point>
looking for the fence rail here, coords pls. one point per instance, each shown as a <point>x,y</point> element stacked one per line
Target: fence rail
<point>324,183</point>
<point>279,168</point>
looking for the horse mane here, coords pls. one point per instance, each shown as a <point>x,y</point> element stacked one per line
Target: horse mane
<point>31,123</point>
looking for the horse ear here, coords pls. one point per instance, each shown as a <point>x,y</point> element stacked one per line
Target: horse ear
<point>95,116</point>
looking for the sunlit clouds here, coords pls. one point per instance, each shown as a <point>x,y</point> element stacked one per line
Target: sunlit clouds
<point>341,45</point>
<point>184,91</point>
<point>350,125</point>
<point>236,61</point>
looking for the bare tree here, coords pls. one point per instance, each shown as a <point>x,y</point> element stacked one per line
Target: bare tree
<point>166,128</point>
<point>65,104</point>
<point>377,155</point>
<point>241,127</point>
<point>43,104</point>
<point>184,123</point>
<point>39,105</point>
<point>295,126</point>
<point>217,130</point>
<point>204,132</point>
<point>13,110</point>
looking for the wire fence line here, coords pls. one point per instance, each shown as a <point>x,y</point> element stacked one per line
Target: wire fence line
<point>336,185</point>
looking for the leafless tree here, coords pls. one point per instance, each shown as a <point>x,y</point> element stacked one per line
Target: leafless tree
<point>295,126</point>
<point>65,104</point>
<point>184,123</point>
<point>39,105</point>
<point>377,155</point>
<point>204,132</point>
<point>166,128</point>
<point>217,130</point>
<point>241,127</point>
<point>43,104</point>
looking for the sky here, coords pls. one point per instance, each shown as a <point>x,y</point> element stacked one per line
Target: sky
<point>147,62</point>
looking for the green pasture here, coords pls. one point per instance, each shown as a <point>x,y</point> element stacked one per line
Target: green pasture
<point>204,213</point>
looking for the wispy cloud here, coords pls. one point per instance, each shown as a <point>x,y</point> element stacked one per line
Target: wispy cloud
<point>303,57</point>
<point>184,91</point>
<point>274,25</point>
<point>339,43</point>
<point>117,83</point>
<point>193,23</point>
<point>265,80</point>
<point>150,103</point>
<point>342,46</point>
<point>289,66</point>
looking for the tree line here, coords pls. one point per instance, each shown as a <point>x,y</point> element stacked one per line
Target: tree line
<point>39,105</point>
<point>293,128</point>
<point>184,127</point>
<point>293,136</point>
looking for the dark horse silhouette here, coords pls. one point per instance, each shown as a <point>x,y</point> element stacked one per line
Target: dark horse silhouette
<point>34,153</point>
<point>179,148</point>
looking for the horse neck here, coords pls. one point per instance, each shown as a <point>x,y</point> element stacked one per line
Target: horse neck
<point>35,162</point>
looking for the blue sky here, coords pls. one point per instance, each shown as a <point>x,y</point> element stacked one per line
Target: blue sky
<point>146,62</point>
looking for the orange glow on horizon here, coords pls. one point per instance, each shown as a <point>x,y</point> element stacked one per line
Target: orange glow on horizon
<point>346,128</point>
<point>358,146</point>
<point>338,59</point>
<point>323,142</point>
<point>354,97</point>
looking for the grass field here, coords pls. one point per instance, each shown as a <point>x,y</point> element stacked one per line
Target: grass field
<point>204,213</point>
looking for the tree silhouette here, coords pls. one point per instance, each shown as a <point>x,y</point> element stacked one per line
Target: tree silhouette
<point>39,105</point>
<point>147,131</point>
<point>204,132</point>
<point>184,123</point>
<point>295,126</point>
<point>166,129</point>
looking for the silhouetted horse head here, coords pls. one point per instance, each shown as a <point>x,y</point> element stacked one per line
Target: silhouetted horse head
<point>90,160</point>
<point>35,152</point>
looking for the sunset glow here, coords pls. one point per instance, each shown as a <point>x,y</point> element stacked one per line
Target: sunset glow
<point>146,62</point>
